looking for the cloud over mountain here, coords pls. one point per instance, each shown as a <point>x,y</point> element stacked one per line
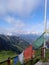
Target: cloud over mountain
<point>21,16</point>
<point>20,7</point>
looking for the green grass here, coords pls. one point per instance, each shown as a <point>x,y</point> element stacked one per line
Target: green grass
<point>38,53</point>
<point>12,63</point>
<point>5,54</point>
<point>47,53</point>
<point>29,63</point>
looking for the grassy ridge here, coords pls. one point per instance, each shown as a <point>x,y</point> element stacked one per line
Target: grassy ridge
<point>38,53</point>
<point>28,63</point>
<point>10,53</point>
<point>13,43</point>
<point>5,54</point>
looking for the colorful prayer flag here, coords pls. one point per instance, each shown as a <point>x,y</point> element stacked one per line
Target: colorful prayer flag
<point>8,61</point>
<point>47,45</point>
<point>33,53</point>
<point>28,53</point>
<point>16,60</point>
<point>39,42</point>
<point>21,58</point>
<point>11,61</point>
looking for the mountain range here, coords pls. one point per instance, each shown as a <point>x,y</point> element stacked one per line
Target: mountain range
<point>32,37</point>
<point>29,37</point>
<point>17,43</point>
<point>12,43</point>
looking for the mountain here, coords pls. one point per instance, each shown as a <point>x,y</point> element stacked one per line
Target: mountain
<point>12,43</point>
<point>17,43</point>
<point>29,37</point>
<point>32,37</point>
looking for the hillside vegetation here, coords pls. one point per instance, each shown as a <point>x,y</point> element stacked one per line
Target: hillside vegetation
<point>5,54</point>
<point>13,43</point>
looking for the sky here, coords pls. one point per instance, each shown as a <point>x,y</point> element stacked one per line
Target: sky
<point>22,16</point>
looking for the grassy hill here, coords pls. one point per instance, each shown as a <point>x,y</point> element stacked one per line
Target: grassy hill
<point>36,59</point>
<point>11,46</point>
<point>5,54</point>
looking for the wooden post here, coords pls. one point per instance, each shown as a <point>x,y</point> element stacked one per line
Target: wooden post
<point>23,64</point>
<point>42,52</point>
<point>31,61</point>
<point>8,61</point>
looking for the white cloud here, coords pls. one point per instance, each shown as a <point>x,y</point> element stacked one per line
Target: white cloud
<point>17,30</point>
<point>3,7</point>
<point>20,7</point>
<point>14,22</point>
<point>16,25</point>
<point>3,30</point>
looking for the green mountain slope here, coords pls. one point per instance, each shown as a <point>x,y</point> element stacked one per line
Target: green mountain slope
<point>12,43</point>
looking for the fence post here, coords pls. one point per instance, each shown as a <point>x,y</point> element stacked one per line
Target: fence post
<point>42,52</point>
<point>8,61</point>
<point>24,64</point>
<point>31,61</point>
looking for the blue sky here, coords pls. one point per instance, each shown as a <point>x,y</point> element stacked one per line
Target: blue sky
<point>22,16</point>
